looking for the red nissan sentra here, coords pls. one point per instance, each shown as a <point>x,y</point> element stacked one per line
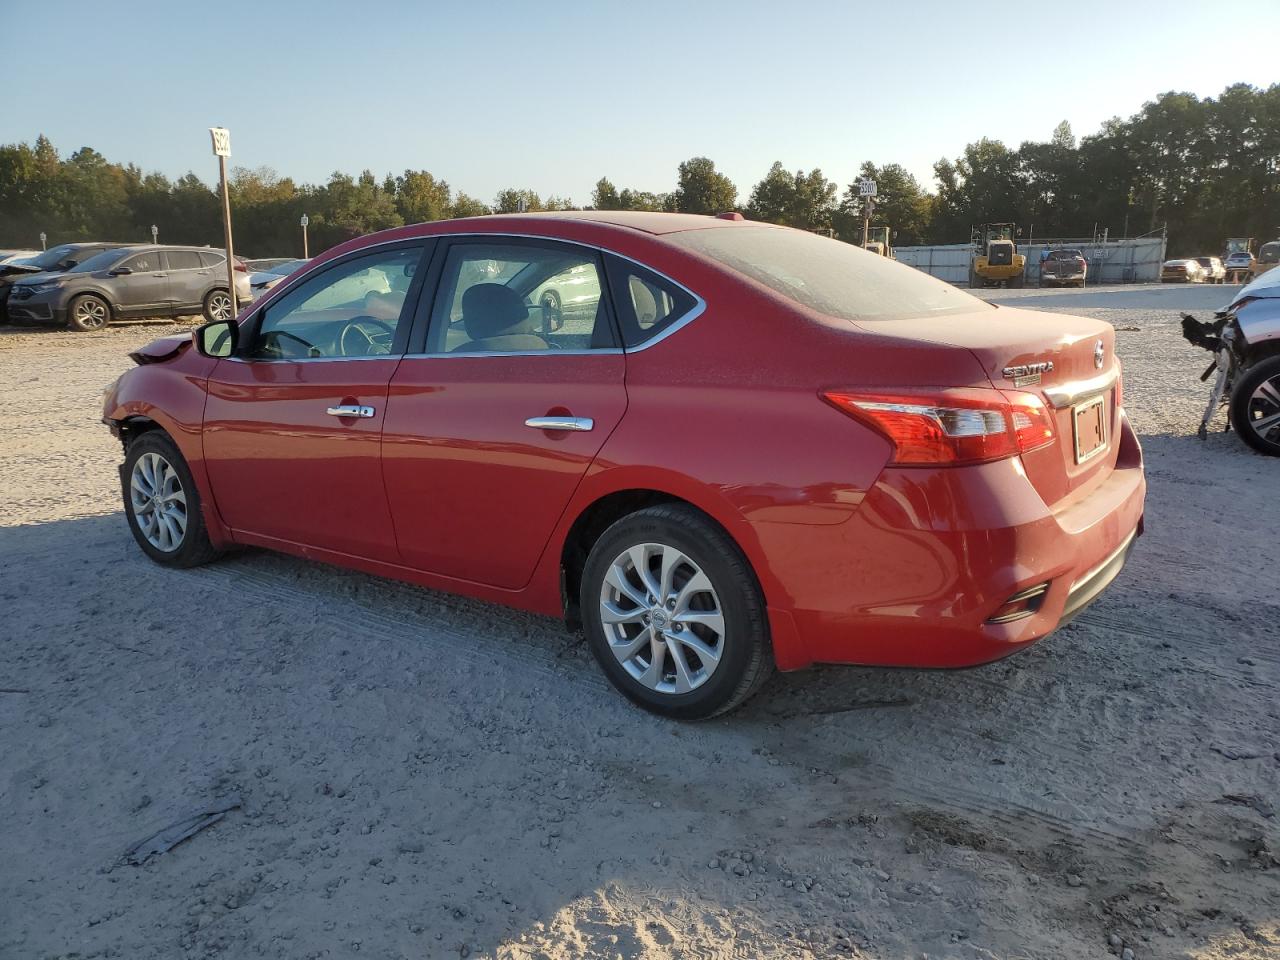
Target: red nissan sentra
<point>719,446</point>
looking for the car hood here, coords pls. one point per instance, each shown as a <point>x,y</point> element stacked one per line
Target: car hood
<point>30,279</point>
<point>1266,286</point>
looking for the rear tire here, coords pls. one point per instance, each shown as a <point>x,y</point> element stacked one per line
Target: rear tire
<point>87,313</point>
<point>687,636</point>
<point>217,306</point>
<point>162,503</point>
<point>1256,397</point>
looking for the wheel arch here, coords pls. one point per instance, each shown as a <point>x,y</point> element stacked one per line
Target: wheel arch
<point>605,507</point>
<point>98,293</point>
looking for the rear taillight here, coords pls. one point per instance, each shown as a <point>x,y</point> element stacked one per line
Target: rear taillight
<point>951,426</point>
<point>1119,385</point>
<point>241,267</point>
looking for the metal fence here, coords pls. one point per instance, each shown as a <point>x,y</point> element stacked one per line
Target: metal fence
<point>1110,261</point>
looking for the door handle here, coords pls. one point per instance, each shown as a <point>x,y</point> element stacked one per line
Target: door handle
<point>351,410</point>
<point>581,424</point>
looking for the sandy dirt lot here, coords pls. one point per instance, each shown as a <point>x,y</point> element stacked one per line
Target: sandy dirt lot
<point>424,776</point>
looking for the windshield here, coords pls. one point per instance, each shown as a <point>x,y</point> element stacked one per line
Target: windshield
<point>827,275</point>
<point>53,256</point>
<point>102,261</point>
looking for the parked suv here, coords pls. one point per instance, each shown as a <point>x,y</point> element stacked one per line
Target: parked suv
<point>141,281</point>
<point>57,259</point>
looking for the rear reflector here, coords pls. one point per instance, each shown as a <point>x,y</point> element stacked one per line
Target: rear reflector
<point>951,426</point>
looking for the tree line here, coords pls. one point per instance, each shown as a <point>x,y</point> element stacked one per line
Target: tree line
<point>1205,168</point>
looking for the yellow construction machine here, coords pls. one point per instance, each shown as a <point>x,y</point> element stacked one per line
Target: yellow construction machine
<point>996,261</point>
<point>879,242</point>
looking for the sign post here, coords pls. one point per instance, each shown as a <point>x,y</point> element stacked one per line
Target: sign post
<point>306,255</point>
<point>43,238</point>
<point>155,234</point>
<point>222,149</point>
<point>867,191</point>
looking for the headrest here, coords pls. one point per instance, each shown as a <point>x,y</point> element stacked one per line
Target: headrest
<point>491,310</point>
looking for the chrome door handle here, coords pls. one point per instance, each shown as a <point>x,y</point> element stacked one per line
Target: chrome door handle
<point>350,410</point>
<point>581,424</point>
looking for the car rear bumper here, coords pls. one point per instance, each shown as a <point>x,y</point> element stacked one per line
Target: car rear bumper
<point>923,573</point>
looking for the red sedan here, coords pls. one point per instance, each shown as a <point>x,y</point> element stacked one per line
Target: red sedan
<point>745,447</point>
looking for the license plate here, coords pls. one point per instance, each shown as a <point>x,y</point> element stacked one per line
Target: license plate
<point>1090,423</point>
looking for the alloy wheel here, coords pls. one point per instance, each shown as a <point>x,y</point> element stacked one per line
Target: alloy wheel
<point>158,501</point>
<point>91,314</point>
<point>220,306</point>
<point>1263,412</point>
<point>662,618</point>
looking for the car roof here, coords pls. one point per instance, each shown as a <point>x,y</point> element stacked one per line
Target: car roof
<point>646,221</point>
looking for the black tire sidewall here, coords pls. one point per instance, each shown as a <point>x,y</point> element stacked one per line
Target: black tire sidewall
<point>71,313</point>
<point>746,631</point>
<point>1240,396</point>
<point>195,541</point>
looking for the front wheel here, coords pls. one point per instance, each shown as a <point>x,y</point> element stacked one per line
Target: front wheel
<point>162,503</point>
<point>87,313</point>
<point>674,614</point>
<point>1255,407</point>
<point>217,306</point>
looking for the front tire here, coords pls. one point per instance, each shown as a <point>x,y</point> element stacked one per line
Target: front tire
<point>217,306</point>
<point>674,614</point>
<point>1255,407</point>
<point>552,312</point>
<point>87,313</point>
<point>162,503</point>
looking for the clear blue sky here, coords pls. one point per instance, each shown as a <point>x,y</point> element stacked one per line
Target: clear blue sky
<point>552,95</point>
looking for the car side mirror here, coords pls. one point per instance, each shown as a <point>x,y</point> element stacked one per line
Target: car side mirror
<point>216,339</point>
<point>121,271</point>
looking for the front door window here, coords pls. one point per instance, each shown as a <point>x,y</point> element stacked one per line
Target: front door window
<point>356,309</point>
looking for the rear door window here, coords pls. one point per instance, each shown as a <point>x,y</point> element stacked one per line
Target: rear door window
<point>519,296</point>
<point>183,260</point>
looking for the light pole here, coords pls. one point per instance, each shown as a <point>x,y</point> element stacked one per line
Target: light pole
<point>222,149</point>
<point>43,238</point>
<point>306,254</point>
<point>155,234</point>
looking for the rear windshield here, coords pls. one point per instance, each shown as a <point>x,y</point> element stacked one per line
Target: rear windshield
<point>1066,255</point>
<point>827,275</point>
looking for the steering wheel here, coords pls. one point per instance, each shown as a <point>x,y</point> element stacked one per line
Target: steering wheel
<point>370,345</point>
<point>272,340</point>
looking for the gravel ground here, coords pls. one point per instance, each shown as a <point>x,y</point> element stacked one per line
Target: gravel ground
<point>420,775</point>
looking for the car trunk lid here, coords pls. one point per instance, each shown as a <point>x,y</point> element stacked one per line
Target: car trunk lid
<point>1016,348</point>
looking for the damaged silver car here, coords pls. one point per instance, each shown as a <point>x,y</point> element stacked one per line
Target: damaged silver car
<point>1244,337</point>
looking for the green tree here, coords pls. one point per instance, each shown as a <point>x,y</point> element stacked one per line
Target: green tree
<point>700,188</point>
<point>605,196</point>
<point>465,206</point>
<point>901,203</point>
<point>803,200</point>
<point>511,199</point>
<point>420,197</point>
